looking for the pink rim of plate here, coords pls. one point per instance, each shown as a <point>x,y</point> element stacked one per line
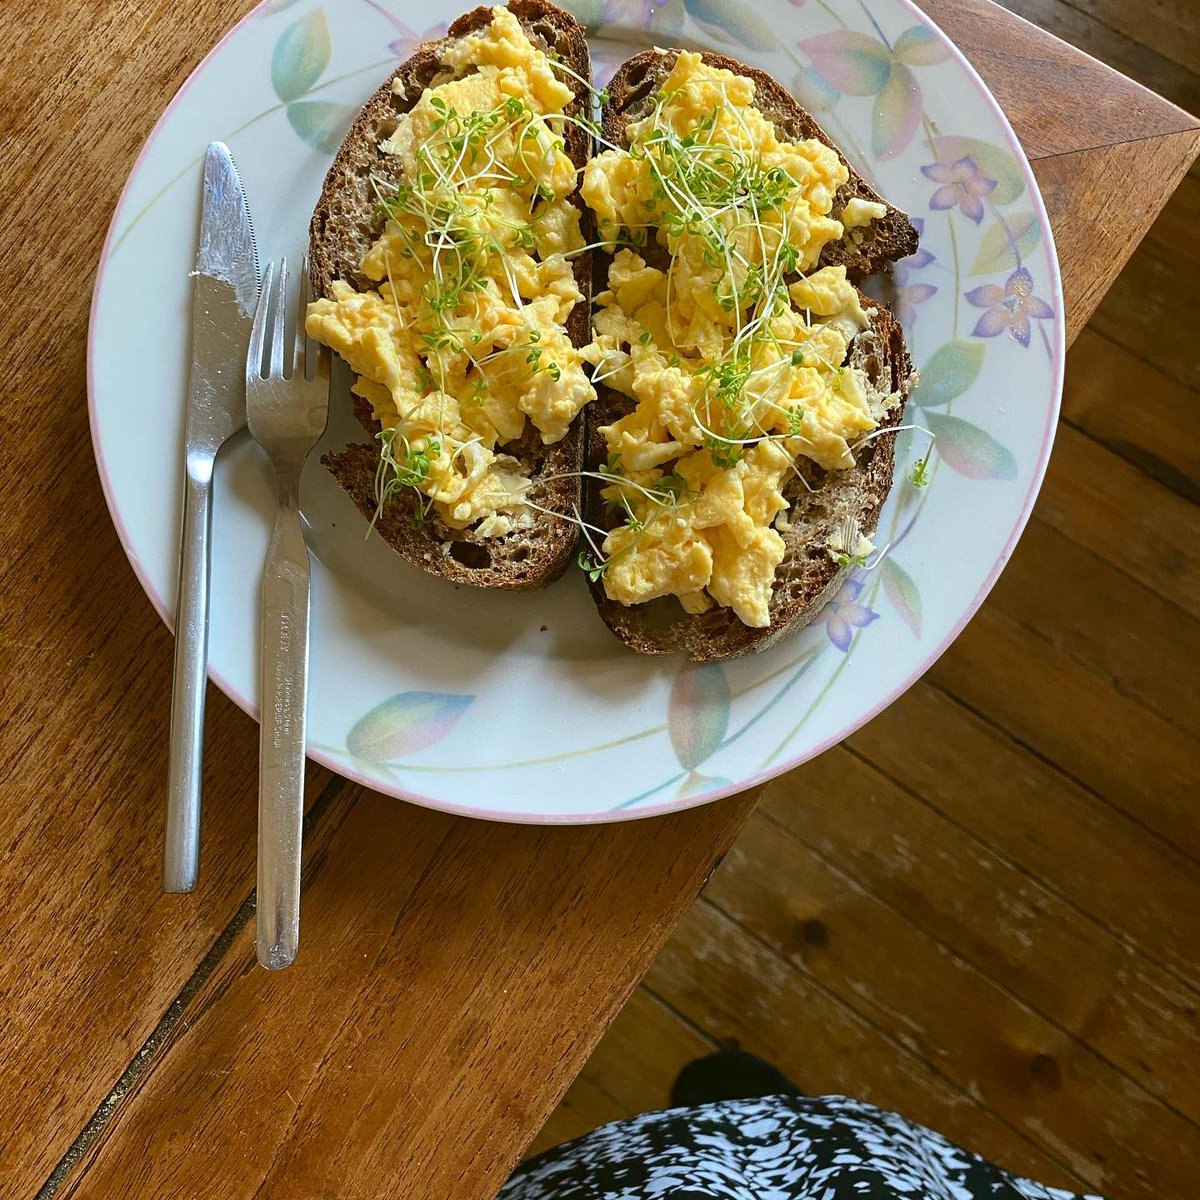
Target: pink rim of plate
<point>606,816</point>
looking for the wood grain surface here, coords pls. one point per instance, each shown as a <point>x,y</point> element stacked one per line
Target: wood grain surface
<point>454,980</point>
<point>455,974</point>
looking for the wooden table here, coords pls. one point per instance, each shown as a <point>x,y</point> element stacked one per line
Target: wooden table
<point>455,974</point>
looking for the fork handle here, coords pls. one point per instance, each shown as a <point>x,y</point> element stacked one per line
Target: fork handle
<point>281,739</point>
<point>181,843</point>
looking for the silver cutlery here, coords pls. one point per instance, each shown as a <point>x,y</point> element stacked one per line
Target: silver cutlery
<point>223,298</point>
<point>287,406</point>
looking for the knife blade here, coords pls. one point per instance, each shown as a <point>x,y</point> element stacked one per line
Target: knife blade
<point>224,293</point>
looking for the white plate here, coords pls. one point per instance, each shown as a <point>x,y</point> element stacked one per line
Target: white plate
<point>525,707</point>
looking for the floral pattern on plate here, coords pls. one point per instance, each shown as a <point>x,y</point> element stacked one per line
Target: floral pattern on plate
<point>595,732</point>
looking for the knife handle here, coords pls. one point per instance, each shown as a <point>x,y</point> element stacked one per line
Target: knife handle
<point>285,603</point>
<point>181,847</point>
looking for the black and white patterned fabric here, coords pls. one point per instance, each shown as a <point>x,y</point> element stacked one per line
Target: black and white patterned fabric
<point>774,1148</point>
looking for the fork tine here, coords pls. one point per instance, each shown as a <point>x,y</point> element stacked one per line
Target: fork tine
<point>303,367</point>
<point>278,326</point>
<point>340,379</point>
<point>258,331</point>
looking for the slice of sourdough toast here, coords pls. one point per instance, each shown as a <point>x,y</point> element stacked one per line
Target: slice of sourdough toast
<point>827,501</point>
<point>346,223</point>
<point>808,576</point>
<point>862,251</point>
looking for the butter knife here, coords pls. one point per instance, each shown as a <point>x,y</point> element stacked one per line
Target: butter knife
<point>224,293</point>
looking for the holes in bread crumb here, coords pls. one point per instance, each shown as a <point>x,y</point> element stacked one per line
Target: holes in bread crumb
<point>640,84</point>
<point>470,555</point>
<point>423,74</point>
<point>637,76</point>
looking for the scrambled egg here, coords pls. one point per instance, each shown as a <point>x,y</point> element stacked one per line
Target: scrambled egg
<point>463,340</point>
<point>733,347</point>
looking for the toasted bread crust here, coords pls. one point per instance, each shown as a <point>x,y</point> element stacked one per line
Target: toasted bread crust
<point>345,224</point>
<point>808,577</point>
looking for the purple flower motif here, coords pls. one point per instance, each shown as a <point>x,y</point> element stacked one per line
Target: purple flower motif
<point>409,39</point>
<point>638,13</point>
<point>1008,307</point>
<point>908,295</point>
<point>899,294</point>
<point>843,614</point>
<point>922,257</point>
<point>962,187</point>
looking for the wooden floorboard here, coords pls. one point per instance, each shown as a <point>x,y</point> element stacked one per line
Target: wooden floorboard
<point>1037,1075</point>
<point>1028,811</point>
<point>991,912</point>
<point>980,910</point>
<point>1101,376</point>
<point>723,977</point>
<point>1082,23</point>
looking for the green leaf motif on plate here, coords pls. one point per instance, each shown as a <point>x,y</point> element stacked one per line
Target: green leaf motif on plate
<point>404,724</point>
<point>951,369</point>
<point>810,87</point>
<point>301,54</point>
<point>854,64</point>
<point>897,114</point>
<point>320,123</point>
<point>969,450</point>
<point>732,21</point>
<point>694,784</point>
<point>901,589</point>
<point>1006,243</point>
<point>919,46</point>
<point>857,65</point>
<point>697,712</point>
<point>994,162</point>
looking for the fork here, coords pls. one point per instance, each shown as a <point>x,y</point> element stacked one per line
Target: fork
<point>287,407</point>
